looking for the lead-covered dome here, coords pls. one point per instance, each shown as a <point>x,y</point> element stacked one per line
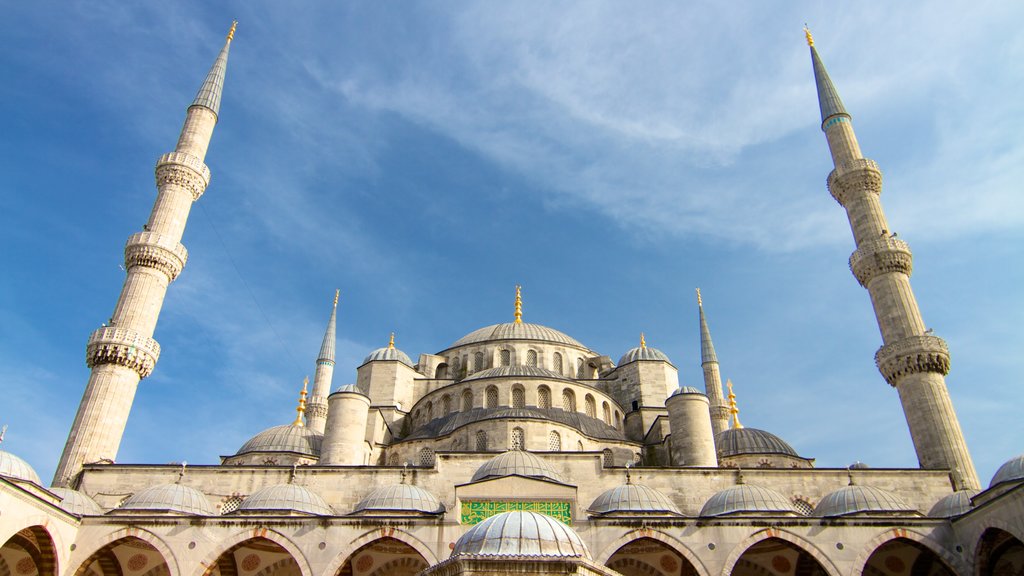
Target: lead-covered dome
<point>516,463</point>
<point>169,498</point>
<point>388,353</point>
<point>685,390</point>
<point>349,388</point>
<point>285,438</point>
<point>633,498</point>
<point>1012,470</point>
<point>521,534</point>
<point>517,371</point>
<point>516,331</point>
<point>736,441</point>
<point>14,467</point>
<point>858,499</point>
<point>76,502</point>
<point>749,499</point>
<point>286,498</point>
<point>955,504</point>
<point>643,353</point>
<point>400,498</point>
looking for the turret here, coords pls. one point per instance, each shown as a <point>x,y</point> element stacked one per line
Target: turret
<point>316,415</point>
<point>911,359</point>
<point>123,352</point>
<point>345,436</point>
<point>689,417</point>
<point>712,375</point>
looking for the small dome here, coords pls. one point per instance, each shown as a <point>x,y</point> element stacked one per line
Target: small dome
<point>286,438</point>
<point>685,390</point>
<point>635,498</point>
<point>14,467</point>
<point>516,463</point>
<point>400,498</point>
<point>858,465</point>
<point>514,371</point>
<point>643,353</point>
<point>77,502</point>
<point>169,498</point>
<point>349,388</point>
<point>955,504</point>
<point>388,353</point>
<point>746,498</point>
<point>286,498</point>
<point>1012,470</point>
<point>521,534</point>
<point>736,441</point>
<point>858,499</point>
<point>516,331</point>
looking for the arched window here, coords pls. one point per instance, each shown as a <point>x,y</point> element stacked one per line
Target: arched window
<point>608,457</point>
<point>590,406</point>
<point>579,445</point>
<point>518,396</point>
<point>481,441</point>
<point>544,397</point>
<point>426,457</point>
<point>579,367</point>
<point>457,370</point>
<point>518,439</point>
<point>506,357</point>
<point>430,410</point>
<point>467,400</point>
<point>554,441</point>
<point>478,361</point>
<point>556,362</point>
<point>492,396</point>
<point>607,412</point>
<point>441,373</point>
<point>531,358</point>
<point>568,400</point>
<point>618,420</point>
<point>446,405</point>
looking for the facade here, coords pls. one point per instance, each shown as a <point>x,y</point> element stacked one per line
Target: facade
<point>515,449</point>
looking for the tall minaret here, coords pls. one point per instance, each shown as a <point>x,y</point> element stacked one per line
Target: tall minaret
<point>911,359</point>
<point>316,414</point>
<point>123,351</point>
<point>712,377</point>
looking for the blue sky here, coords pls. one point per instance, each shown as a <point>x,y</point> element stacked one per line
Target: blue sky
<point>426,157</point>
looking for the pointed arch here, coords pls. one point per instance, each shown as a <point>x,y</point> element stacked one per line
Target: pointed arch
<point>37,544</point>
<point>115,538</point>
<point>799,543</point>
<point>952,563</point>
<point>668,540</point>
<point>998,552</point>
<point>238,540</point>
<point>376,534</point>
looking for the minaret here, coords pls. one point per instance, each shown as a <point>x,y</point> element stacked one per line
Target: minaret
<point>712,377</point>
<point>123,351</point>
<point>316,415</point>
<point>911,359</point>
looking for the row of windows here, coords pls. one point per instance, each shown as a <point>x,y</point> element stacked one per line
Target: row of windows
<point>517,441</point>
<point>518,398</point>
<point>460,368</point>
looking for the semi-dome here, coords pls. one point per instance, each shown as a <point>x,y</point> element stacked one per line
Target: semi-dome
<point>517,371</point>
<point>14,467</point>
<point>286,498</point>
<point>169,498</point>
<point>516,463</point>
<point>955,504</point>
<point>76,502</point>
<point>521,533</point>
<point>1012,470</point>
<point>685,390</point>
<point>388,353</point>
<point>516,331</point>
<point>643,353</point>
<point>285,438</point>
<point>746,498</point>
<point>400,498</point>
<point>858,499</point>
<point>633,498</point>
<point>736,441</point>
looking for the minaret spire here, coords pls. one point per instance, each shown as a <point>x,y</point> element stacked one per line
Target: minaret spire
<point>911,359</point>
<point>123,352</point>
<point>300,410</point>
<point>316,413</point>
<point>519,304</point>
<point>734,411</point>
<point>712,375</point>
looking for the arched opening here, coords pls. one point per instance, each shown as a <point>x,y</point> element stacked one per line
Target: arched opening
<point>649,557</point>
<point>556,362</point>
<point>518,396</point>
<point>506,357</point>
<point>606,412</point>
<point>491,396</point>
<point>257,556</point>
<point>554,441</point>
<point>123,556</point>
<point>446,405</point>
<point>999,553</point>
<point>543,397</point>
<point>467,400</point>
<point>429,410</point>
<point>531,357</point>
<point>30,552</point>
<point>481,441</point>
<point>518,440</point>
<point>384,557</point>
<point>478,361</point>
<point>904,556</point>
<point>441,372</point>
<point>590,406</point>
<point>776,556</point>
<point>568,400</point>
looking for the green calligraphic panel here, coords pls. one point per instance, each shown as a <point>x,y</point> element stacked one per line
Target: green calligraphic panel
<point>475,511</point>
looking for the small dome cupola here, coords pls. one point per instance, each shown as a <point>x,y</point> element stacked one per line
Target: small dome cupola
<point>643,352</point>
<point>349,388</point>
<point>521,533</point>
<point>857,499</point>
<point>12,466</point>
<point>399,498</point>
<point>633,499</point>
<point>747,499</point>
<point>285,498</point>
<point>517,463</point>
<point>389,353</point>
<point>168,499</point>
<point>956,504</point>
<point>1011,471</point>
<point>686,390</point>
<point>77,503</point>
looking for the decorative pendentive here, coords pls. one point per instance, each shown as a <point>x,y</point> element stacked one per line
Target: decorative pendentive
<point>882,255</point>
<point>183,170</point>
<point>855,176</point>
<point>153,250</point>
<point>912,355</point>
<point>124,347</point>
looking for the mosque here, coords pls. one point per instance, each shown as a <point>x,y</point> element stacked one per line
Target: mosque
<point>516,449</point>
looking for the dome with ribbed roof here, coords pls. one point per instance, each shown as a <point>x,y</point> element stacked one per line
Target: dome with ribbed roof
<point>77,503</point>
<point>1012,470</point>
<point>287,498</point>
<point>388,353</point>
<point>400,498</point>
<point>956,504</point>
<point>349,388</point>
<point>285,438</point>
<point>685,390</point>
<point>736,441</point>
<point>14,467</point>
<point>633,499</point>
<point>643,353</point>
<point>516,331</point>
<point>858,499</point>
<point>516,463</point>
<point>747,499</point>
<point>521,533</point>
<point>518,371</point>
<point>169,498</point>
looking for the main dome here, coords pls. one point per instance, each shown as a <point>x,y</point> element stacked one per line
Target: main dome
<point>643,353</point>
<point>521,534</point>
<point>517,331</point>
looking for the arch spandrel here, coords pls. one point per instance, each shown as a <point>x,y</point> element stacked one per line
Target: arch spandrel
<point>952,562</point>
<point>238,539</point>
<point>377,534</point>
<point>800,543</point>
<point>672,542</point>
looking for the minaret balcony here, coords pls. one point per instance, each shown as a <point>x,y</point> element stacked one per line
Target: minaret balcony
<point>123,347</point>
<point>913,355</point>
<point>860,176</point>
<point>882,255</point>
<point>154,250</point>
<point>185,170</point>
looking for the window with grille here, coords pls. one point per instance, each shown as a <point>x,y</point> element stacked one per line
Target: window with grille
<point>591,406</point>
<point>393,459</point>
<point>531,358</point>
<point>446,404</point>
<point>518,397</point>
<point>467,400</point>
<point>543,397</point>
<point>426,457</point>
<point>568,400</point>
<point>607,413</point>
<point>554,441</point>
<point>803,506</point>
<point>607,457</point>
<point>556,362</point>
<point>637,458</point>
<point>518,439</point>
<point>506,357</point>
<point>618,420</point>
<point>429,410</point>
<point>492,396</point>
<point>231,504</point>
<point>481,441</point>
<point>478,361</point>
<point>579,367</point>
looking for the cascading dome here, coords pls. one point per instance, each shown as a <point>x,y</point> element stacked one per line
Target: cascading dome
<point>516,463</point>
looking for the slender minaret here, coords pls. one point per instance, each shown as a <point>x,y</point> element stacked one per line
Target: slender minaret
<point>712,377</point>
<point>316,414</point>
<point>911,359</point>
<point>123,351</point>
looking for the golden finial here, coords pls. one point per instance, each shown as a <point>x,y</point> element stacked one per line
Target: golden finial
<point>231,33</point>
<point>336,294</point>
<point>733,410</point>
<point>519,304</point>
<point>643,342</point>
<point>302,404</point>
<point>391,342</point>
<point>700,302</point>
<point>807,32</point>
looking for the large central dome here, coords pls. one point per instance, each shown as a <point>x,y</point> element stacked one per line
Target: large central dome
<point>517,331</point>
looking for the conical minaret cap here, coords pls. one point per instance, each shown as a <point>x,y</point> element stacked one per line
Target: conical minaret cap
<point>828,98</point>
<point>327,348</point>
<point>210,92</point>
<point>707,348</point>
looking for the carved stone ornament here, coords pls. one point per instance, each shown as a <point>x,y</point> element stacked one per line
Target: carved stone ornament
<point>315,408</point>
<point>881,256</point>
<point>912,355</point>
<point>153,250</point>
<point>124,347</point>
<point>861,176</point>
<point>183,170</point>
